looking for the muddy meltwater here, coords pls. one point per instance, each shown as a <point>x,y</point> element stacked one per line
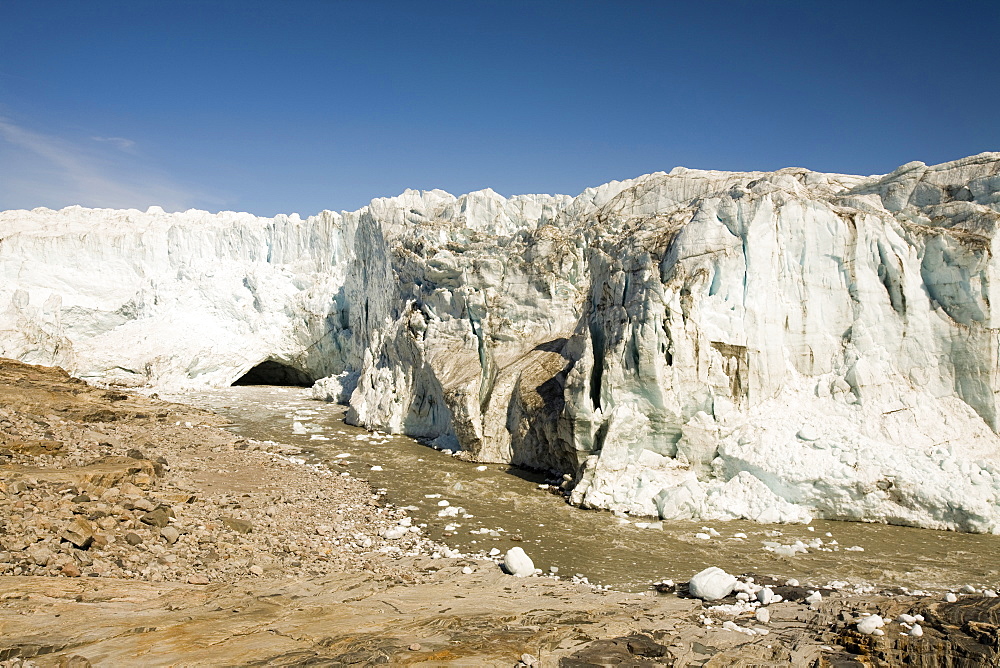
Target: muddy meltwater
<point>497,506</point>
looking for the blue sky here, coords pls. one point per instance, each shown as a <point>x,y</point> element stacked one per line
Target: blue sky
<point>304,105</point>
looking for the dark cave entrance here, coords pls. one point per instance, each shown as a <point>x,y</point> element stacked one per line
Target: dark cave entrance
<point>274,373</point>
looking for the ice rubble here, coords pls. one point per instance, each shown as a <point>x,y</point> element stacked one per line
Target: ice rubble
<point>698,344</point>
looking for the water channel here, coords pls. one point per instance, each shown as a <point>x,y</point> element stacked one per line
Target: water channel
<point>504,507</point>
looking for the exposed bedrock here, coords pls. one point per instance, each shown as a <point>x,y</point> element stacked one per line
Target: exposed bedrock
<point>772,346</point>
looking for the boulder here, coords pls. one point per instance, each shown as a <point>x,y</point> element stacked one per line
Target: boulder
<point>237,525</point>
<point>79,532</point>
<point>157,518</point>
<point>170,534</point>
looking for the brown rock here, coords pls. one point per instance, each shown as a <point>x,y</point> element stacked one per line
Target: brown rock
<point>79,532</point>
<point>40,554</point>
<point>170,534</point>
<point>198,579</point>
<point>128,489</point>
<point>158,518</point>
<point>237,525</point>
<point>70,570</point>
<point>178,497</point>
<point>616,651</point>
<point>144,505</point>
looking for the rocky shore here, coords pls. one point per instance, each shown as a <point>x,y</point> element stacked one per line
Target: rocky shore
<point>134,531</point>
<point>104,484</point>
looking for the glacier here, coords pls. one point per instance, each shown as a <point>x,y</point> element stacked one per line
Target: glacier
<point>774,346</point>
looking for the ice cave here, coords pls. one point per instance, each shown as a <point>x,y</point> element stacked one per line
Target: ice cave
<point>270,372</point>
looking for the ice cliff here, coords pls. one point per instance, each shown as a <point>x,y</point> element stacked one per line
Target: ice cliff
<point>699,344</point>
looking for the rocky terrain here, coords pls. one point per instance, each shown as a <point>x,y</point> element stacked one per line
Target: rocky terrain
<point>137,532</point>
<point>105,484</point>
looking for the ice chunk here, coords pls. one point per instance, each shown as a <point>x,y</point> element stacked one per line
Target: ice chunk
<point>870,624</point>
<point>711,584</point>
<point>516,562</point>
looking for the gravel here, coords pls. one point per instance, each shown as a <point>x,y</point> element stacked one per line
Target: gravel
<point>124,488</point>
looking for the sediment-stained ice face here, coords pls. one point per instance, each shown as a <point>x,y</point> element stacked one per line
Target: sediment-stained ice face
<point>771,346</point>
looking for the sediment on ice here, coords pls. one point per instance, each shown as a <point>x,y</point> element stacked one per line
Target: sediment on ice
<point>699,344</point>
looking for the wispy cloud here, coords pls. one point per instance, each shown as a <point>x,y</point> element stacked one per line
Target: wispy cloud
<point>121,142</point>
<point>39,169</point>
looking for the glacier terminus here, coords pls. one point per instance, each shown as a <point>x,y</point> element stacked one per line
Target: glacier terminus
<point>774,346</point>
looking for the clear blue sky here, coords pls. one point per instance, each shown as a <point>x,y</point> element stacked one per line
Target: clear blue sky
<point>302,105</point>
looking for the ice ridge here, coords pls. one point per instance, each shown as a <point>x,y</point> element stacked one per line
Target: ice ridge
<point>773,346</point>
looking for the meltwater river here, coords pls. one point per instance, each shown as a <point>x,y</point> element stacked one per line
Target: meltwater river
<point>506,508</point>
